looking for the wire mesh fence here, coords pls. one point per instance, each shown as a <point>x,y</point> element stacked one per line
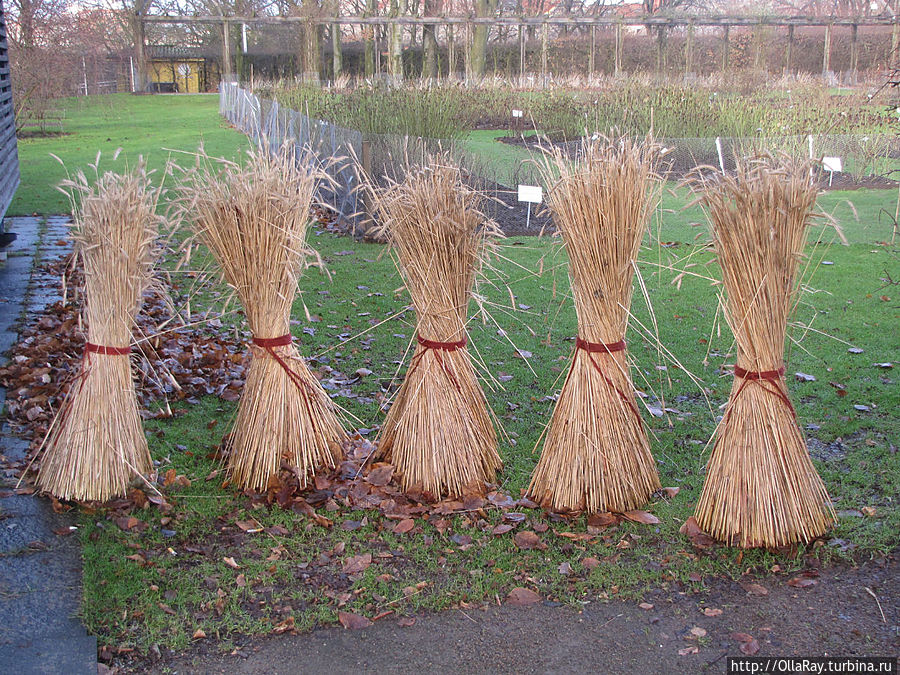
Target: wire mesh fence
<point>343,152</point>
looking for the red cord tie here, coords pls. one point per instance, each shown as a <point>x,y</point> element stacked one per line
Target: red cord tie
<point>761,377</point>
<point>91,348</point>
<point>437,347</point>
<point>443,346</point>
<point>595,347</point>
<point>606,348</point>
<point>269,344</point>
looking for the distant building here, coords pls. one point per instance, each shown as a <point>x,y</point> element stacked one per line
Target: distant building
<point>184,70</point>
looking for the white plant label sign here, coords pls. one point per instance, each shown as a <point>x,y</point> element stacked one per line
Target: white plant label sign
<point>832,164</point>
<point>534,194</point>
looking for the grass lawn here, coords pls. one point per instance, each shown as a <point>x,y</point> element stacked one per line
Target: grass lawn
<point>160,584</point>
<point>148,126</point>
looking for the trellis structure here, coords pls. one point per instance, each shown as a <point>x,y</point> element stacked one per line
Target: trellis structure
<point>457,27</point>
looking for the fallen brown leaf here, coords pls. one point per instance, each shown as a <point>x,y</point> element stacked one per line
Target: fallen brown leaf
<point>750,647</point>
<point>756,589</point>
<point>404,526</point>
<point>357,563</point>
<point>353,621</point>
<point>528,540</point>
<point>522,597</point>
<point>642,517</point>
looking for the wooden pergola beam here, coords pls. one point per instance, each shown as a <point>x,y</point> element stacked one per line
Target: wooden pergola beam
<point>648,20</point>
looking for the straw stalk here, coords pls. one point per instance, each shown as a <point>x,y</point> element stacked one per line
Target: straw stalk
<point>254,219</point>
<point>96,443</point>
<point>761,487</point>
<point>438,433</point>
<point>596,454</point>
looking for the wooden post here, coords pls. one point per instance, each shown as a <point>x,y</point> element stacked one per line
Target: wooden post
<point>226,51</point>
<point>545,38</point>
<point>895,37</point>
<point>826,56</point>
<point>854,52</point>
<point>726,47</point>
<point>788,53</point>
<point>618,56</point>
<point>593,50</point>
<point>521,55</point>
<point>139,68</point>
<point>337,56</point>
<point>467,56</point>
<point>689,50</point>
<point>376,36</point>
<point>366,161</point>
<point>759,59</point>
<point>451,54</point>
<point>660,49</point>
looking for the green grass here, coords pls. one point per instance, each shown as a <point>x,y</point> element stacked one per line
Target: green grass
<point>184,584</point>
<point>852,452</point>
<point>148,126</point>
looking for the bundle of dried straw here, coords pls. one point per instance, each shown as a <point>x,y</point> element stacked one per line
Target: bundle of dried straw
<point>438,433</point>
<point>96,443</point>
<point>761,488</point>
<point>596,455</point>
<point>254,219</point>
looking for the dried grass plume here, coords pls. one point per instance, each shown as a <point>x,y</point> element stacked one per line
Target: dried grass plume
<point>96,443</point>
<point>254,219</point>
<point>761,488</point>
<point>439,432</point>
<point>596,454</point>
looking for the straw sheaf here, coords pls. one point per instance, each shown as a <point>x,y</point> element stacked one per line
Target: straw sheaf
<point>761,487</point>
<point>96,443</point>
<point>438,433</point>
<point>596,454</point>
<point>254,219</point>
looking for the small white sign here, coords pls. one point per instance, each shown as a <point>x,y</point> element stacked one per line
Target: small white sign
<point>832,163</point>
<point>517,113</point>
<point>531,193</point>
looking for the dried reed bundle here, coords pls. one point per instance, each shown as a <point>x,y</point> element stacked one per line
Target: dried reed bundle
<point>761,487</point>
<point>254,219</point>
<point>96,443</point>
<point>596,454</point>
<point>438,433</point>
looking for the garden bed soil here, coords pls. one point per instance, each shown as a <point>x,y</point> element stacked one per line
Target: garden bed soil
<point>678,166</point>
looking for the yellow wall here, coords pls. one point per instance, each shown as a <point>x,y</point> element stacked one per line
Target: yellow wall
<point>184,72</point>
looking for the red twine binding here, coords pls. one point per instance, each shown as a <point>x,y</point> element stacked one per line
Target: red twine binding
<point>91,348</point>
<point>606,348</point>
<point>269,344</point>
<point>437,347</point>
<point>762,376</point>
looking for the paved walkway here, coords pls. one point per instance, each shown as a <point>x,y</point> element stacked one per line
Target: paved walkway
<point>40,572</point>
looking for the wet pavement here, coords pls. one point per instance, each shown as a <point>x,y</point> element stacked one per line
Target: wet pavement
<point>40,571</point>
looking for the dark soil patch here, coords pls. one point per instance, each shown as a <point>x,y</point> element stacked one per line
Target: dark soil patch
<point>501,204</point>
<point>41,133</point>
<point>678,165</point>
